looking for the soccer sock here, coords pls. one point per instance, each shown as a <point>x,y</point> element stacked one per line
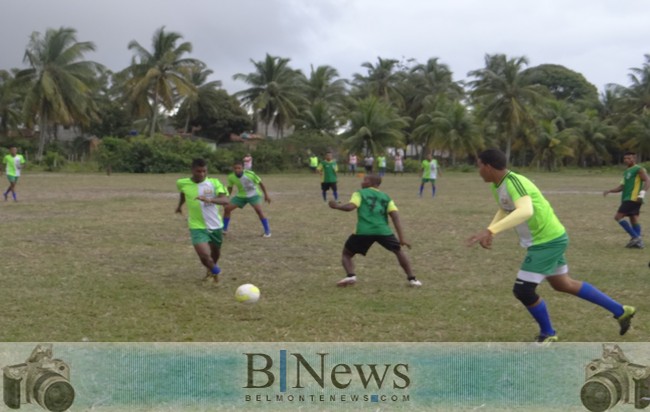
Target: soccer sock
<point>215,270</point>
<point>324,195</point>
<point>626,226</point>
<point>433,191</point>
<point>265,223</point>
<point>351,275</point>
<point>592,294</point>
<point>336,195</point>
<point>421,189</point>
<point>226,222</point>
<point>540,314</point>
<point>637,229</point>
<point>14,195</point>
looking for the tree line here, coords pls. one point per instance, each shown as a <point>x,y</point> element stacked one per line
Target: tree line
<point>544,116</point>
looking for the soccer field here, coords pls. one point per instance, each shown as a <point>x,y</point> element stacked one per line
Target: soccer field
<point>104,258</point>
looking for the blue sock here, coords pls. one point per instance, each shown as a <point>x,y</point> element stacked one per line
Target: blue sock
<point>336,195</point>
<point>626,226</point>
<point>637,229</point>
<point>593,295</point>
<point>421,189</point>
<point>226,222</point>
<point>215,270</point>
<point>433,191</point>
<point>14,195</point>
<point>540,314</point>
<point>265,223</point>
<point>324,195</point>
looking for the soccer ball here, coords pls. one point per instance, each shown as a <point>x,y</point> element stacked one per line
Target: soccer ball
<point>247,293</point>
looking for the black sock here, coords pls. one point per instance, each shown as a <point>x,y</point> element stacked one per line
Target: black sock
<point>351,275</point>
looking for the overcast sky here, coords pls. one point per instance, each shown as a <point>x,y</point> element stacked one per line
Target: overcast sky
<point>602,39</point>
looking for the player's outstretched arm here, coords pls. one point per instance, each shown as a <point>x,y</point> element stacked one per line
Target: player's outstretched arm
<point>267,198</point>
<point>348,207</point>
<point>617,189</point>
<point>181,200</point>
<point>394,216</point>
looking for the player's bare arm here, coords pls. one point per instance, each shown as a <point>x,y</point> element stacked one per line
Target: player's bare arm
<point>394,216</point>
<point>348,207</point>
<point>617,189</point>
<point>181,201</point>
<point>267,198</point>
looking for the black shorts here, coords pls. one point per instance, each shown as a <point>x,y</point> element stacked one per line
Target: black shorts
<point>361,243</point>
<point>630,208</point>
<point>325,186</point>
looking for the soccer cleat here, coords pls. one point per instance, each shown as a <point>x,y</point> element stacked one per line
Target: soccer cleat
<point>347,281</point>
<point>544,340</point>
<point>211,277</point>
<point>635,243</point>
<point>415,283</point>
<point>625,320</point>
<point>266,234</point>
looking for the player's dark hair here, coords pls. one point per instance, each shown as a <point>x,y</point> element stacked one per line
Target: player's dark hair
<point>375,180</point>
<point>494,158</point>
<point>629,153</point>
<point>238,162</point>
<point>199,163</point>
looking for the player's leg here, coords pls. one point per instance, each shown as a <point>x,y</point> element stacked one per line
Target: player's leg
<point>433,187</point>
<point>422,182</point>
<point>564,283</point>
<point>636,227</point>
<point>204,251</point>
<point>335,191</point>
<point>323,187</point>
<point>355,244</point>
<point>525,291</point>
<point>227,211</point>
<point>265,222</point>
<point>391,243</point>
<point>11,188</point>
<point>626,209</point>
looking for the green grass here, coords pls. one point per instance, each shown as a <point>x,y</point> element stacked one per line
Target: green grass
<point>104,258</point>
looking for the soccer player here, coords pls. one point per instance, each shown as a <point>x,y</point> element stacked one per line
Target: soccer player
<point>328,168</point>
<point>249,187</point>
<point>352,163</point>
<point>373,209</point>
<point>429,174</point>
<point>313,163</point>
<point>523,207</point>
<point>381,162</point>
<point>248,162</point>
<point>633,188</point>
<point>203,195</point>
<point>399,163</point>
<point>14,162</point>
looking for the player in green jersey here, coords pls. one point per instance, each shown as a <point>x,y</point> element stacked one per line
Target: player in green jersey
<point>523,207</point>
<point>14,163</point>
<point>373,209</point>
<point>248,186</point>
<point>203,195</point>
<point>328,168</point>
<point>429,174</point>
<point>633,188</point>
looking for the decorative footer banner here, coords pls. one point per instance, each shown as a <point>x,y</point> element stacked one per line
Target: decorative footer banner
<point>324,376</point>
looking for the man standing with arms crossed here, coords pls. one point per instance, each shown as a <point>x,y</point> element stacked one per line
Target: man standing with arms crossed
<point>633,188</point>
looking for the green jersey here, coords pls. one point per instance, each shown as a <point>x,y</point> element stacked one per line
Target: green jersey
<point>373,207</point>
<point>247,184</point>
<point>202,215</point>
<point>381,160</point>
<point>329,170</point>
<point>632,183</point>
<point>313,161</point>
<point>14,164</point>
<point>543,226</point>
<point>430,169</point>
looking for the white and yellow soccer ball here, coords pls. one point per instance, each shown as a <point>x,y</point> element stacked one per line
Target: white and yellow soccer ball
<point>247,293</point>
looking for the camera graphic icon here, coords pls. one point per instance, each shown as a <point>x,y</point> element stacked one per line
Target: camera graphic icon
<point>41,380</point>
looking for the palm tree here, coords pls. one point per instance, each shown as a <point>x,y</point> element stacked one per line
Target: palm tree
<point>381,81</point>
<point>448,126</point>
<point>159,76</point>
<point>10,98</point>
<point>637,133</point>
<point>590,138</point>
<point>374,125</point>
<point>205,96</point>
<point>552,145</point>
<point>59,82</point>
<point>505,96</point>
<point>275,95</point>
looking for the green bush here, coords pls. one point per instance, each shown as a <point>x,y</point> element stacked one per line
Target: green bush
<point>53,161</point>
